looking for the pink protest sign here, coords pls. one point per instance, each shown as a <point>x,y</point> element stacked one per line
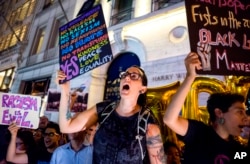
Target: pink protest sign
<point>22,109</point>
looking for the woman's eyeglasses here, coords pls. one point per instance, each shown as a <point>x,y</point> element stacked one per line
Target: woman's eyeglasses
<point>133,75</point>
<point>51,134</point>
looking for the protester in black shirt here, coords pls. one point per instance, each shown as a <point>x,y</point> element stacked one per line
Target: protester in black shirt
<point>213,143</point>
<point>118,138</point>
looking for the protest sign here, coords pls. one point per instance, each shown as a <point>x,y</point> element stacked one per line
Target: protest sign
<point>219,31</point>
<point>21,109</point>
<point>84,43</point>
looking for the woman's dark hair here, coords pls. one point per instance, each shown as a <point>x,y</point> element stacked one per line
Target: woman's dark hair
<point>223,101</point>
<point>28,140</point>
<point>142,99</point>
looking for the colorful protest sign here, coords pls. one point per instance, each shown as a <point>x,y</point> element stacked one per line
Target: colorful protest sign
<point>219,31</point>
<point>21,109</point>
<point>84,43</point>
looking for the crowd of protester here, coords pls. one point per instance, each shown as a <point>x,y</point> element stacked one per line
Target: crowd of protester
<point>211,143</point>
<point>45,145</point>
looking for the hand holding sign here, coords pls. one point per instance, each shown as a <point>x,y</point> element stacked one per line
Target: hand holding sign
<point>13,128</point>
<point>204,51</point>
<point>192,62</point>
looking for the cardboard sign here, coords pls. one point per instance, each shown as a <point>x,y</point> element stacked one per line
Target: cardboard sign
<point>21,109</point>
<point>219,31</point>
<point>84,43</point>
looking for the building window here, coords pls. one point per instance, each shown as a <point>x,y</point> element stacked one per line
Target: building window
<point>23,12</point>
<point>12,18</point>
<point>23,32</point>
<point>1,44</point>
<point>7,41</point>
<point>15,20</point>
<point>6,79</point>
<point>122,11</point>
<point>27,9</point>
<point>54,37</point>
<point>11,39</point>
<point>14,39</point>
<point>38,87</point>
<point>160,4</point>
<point>32,5</point>
<point>38,41</point>
<point>17,16</point>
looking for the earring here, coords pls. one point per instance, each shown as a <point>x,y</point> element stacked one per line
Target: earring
<point>221,120</point>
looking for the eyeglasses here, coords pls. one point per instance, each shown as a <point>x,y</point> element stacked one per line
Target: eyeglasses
<point>133,75</point>
<point>51,134</point>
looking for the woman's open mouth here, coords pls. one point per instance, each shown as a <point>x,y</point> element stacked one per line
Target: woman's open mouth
<point>125,87</point>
